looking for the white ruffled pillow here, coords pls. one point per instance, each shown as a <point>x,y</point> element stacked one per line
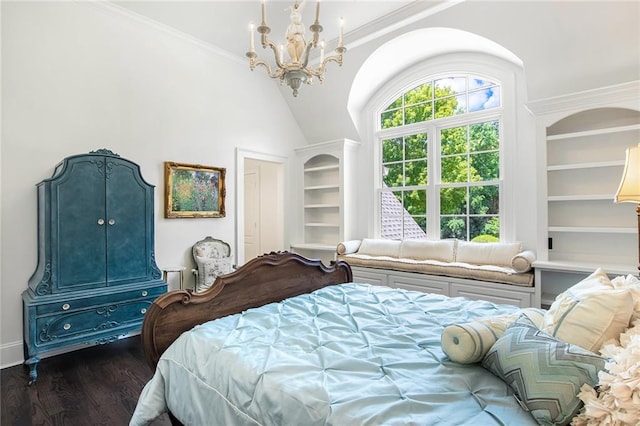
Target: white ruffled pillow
<point>617,400</point>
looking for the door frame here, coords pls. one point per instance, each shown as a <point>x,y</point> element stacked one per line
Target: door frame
<point>241,156</point>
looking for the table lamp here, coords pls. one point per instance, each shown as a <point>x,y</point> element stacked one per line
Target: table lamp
<point>629,189</point>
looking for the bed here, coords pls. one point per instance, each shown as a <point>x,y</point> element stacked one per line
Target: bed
<point>288,340</point>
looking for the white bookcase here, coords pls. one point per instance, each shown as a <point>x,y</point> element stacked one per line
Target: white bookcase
<point>581,150</point>
<point>326,182</point>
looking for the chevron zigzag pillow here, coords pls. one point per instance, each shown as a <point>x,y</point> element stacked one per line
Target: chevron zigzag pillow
<point>545,373</point>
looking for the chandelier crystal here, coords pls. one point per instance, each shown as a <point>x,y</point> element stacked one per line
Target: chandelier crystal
<point>297,70</point>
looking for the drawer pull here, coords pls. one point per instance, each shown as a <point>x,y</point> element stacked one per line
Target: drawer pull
<point>144,292</point>
<point>143,311</point>
<point>65,307</point>
<point>67,326</point>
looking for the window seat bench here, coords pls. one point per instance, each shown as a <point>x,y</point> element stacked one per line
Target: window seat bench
<point>498,272</point>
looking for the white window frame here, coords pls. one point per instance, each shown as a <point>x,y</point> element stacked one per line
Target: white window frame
<point>485,66</point>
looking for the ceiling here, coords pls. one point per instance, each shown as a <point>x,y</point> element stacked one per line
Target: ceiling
<point>225,24</point>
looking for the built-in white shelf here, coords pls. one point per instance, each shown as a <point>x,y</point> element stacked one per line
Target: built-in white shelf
<point>322,206</point>
<point>326,182</point>
<point>577,270</point>
<point>311,246</point>
<point>593,197</point>
<point>596,132</point>
<point>321,168</point>
<point>594,165</point>
<point>320,187</point>
<point>594,229</point>
<point>582,137</point>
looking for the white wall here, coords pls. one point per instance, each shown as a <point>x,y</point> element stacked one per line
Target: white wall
<point>78,77</point>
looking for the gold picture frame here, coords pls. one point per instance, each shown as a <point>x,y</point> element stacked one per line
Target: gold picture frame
<point>193,190</point>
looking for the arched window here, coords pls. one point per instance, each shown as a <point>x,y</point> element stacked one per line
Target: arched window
<point>441,113</point>
<point>440,164</point>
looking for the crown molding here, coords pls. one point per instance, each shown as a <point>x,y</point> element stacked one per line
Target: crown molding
<point>395,20</point>
<point>406,15</point>
<point>113,8</point>
<point>615,95</point>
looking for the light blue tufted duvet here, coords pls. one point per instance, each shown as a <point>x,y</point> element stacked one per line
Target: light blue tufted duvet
<point>349,354</point>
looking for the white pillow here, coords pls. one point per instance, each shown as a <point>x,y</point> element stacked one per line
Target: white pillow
<point>500,254</point>
<point>380,247</point>
<point>522,262</point>
<point>348,247</point>
<point>590,312</point>
<point>442,250</point>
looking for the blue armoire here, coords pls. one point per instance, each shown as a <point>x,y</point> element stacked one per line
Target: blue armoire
<point>96,272</point>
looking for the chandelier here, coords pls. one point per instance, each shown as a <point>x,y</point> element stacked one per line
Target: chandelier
<point>297,70</point>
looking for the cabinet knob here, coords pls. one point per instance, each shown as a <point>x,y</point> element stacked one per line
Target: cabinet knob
<point>144,292</point>
<point>66,326</point>
<point>101,221</point>
<point>112,222</point>
<point>143,311</point>
<point>65,307</point>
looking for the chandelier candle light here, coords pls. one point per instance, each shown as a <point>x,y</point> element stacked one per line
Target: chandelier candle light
<point>297,70</point>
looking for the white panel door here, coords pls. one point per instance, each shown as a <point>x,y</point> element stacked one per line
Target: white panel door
<point>251,213</point>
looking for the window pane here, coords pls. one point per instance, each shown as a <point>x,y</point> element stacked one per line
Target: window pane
<point>419,94</point>
<point>454,169</point>
<point>391,150</point>
<point>453,227</point>
<point>453,201</point>
<point>450,85</point>
<point>475,83</point>
<point>450,106</point>
<point>390,119</point>
<point>415,173</point>
<point>484,199</point>
<point>484,136</point>
<point>484,99</point>
<point>453,140</point>
<point>415,146</point>
<point>415,202</point>
<point>392,175</point>
<point>419,113</point>
<point>484,228</point>
<point>391,225</point>
<point>485,166</point>
<point>395,104</point>
<point>421,222</point>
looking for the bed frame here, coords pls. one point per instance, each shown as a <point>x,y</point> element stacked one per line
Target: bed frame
<point>266,279</point>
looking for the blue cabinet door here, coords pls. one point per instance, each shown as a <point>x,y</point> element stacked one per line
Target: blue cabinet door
<point>79,239</point>
<point>129,205</point>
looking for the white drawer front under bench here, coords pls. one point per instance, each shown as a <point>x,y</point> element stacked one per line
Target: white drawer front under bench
<point>448,286</point>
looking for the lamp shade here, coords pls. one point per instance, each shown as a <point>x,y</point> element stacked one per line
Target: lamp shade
<point>629,189</point>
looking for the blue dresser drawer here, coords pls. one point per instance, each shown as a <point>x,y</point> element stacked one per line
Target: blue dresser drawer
<point>91,321</point>
<point>70,304</point>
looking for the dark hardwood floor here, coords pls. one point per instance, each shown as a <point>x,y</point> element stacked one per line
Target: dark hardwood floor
<point>92,386</point>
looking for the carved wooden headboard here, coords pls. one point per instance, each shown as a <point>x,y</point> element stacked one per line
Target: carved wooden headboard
<point>266,279</point>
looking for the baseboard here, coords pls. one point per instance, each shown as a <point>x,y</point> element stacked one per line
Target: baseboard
<point>11,354</point>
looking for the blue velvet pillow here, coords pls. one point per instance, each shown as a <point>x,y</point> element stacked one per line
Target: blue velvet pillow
<point>545,373</point>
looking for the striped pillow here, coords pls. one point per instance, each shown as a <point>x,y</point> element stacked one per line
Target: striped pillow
<point>468,343</point>
<point>545,373</point>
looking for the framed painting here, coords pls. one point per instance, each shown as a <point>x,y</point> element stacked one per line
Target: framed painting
<point>193,190</point>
